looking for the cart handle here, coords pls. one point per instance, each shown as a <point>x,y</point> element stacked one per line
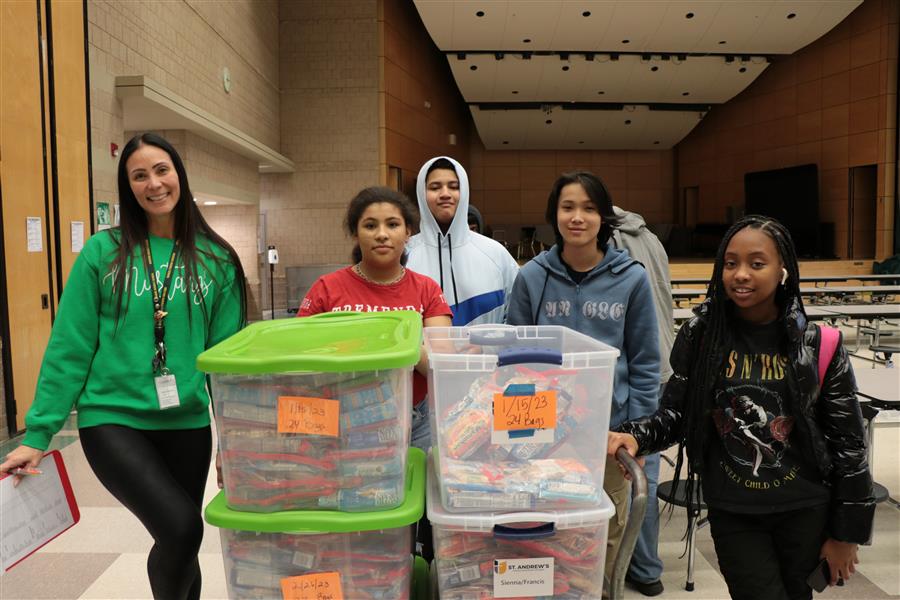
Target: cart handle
<point>632,525</point>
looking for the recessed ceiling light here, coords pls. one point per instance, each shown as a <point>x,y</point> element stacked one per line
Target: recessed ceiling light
<point>600,93</point>
<point>689,16</point>
<point>473,68</point>
<point>656,143</point>
<point>685,93</point>
<point>209,203</point>
<point>515,91</point>
<point>586,13</point>
<point>526,41</point>
<point>722,42</point>
<point>565,67</point>
<point>628,121</point>
<point>654,68</point>
<point>480,13</point>
<point>580,141</point>
<point>743,69</point>
<point>791,15</point>
<point>505,141</point>
<point>548,121</point>
<point>626,41</point>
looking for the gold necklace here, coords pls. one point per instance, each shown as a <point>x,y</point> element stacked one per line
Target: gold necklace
<point>358,269</point>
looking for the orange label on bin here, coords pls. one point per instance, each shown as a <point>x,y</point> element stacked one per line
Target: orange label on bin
<point>317,416</point>
<point>537,411</point>
<point>316,586</point>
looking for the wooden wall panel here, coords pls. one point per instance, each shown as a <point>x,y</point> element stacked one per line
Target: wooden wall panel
<point>71,131</point>
<point>22,180</point>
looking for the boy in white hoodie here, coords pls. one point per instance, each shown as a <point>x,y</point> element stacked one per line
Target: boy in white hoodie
<point>475,272</point>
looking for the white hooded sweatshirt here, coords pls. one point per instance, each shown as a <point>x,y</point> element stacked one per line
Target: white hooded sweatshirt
<point>475,272</point>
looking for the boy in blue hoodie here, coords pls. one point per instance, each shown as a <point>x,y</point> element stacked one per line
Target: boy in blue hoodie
<point>590,286</point>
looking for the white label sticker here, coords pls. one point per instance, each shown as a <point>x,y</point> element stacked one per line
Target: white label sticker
<point>77,236</point>
<point>514,577</point>
<point>166,391</point>
<point>34,234</point>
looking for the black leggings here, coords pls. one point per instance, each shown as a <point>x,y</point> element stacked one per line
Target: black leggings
<point>160,477</point>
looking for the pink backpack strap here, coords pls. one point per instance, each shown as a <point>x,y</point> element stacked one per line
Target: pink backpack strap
<point>828,341</point>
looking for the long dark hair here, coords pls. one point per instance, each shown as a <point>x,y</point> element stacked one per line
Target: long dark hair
<point>133,230</point>
<point>715,338</point>
<point>599,195</point>
<point>374,195</point>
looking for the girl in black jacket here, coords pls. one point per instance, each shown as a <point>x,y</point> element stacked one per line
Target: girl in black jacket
<point>781,456</point>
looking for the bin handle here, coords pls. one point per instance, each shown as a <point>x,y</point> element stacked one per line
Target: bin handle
<point>515,356</point>
<point>544,530</point>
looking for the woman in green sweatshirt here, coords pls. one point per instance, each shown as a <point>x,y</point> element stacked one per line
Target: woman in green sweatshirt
<point>122,352</point>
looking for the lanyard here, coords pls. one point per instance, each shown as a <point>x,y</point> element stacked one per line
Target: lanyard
<point>160,297</point>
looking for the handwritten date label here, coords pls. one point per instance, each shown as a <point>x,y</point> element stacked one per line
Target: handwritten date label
<point>315,586</point>
<point>535,411</point>
<point>315,416</point>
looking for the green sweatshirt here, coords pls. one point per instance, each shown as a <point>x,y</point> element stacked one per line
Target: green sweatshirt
<point>104,371</point>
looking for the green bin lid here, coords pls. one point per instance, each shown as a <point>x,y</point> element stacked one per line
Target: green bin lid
<point>333,342</point>
<point>329,521</point>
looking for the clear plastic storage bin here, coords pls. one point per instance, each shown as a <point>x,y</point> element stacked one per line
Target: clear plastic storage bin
<point>366,554</point>
<point>519,416</point>
<point>549,554</point>
<point>314,413</point>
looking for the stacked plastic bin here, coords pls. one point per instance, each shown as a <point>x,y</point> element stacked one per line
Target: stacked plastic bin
<point>313,420</point>
<point>519,417</point>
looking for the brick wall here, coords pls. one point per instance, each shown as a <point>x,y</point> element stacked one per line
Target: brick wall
<point>832,103</point>
<point>329,128</point>
<point>184,45</point>
<point>237,223</point>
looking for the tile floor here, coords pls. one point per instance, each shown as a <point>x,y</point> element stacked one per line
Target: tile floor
<point>103,556</point>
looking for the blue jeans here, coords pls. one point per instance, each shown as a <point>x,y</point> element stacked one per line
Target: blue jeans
<point>421,427</point>
<point>646,565</point>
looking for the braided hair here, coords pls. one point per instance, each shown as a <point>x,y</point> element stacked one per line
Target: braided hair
<point>715,338</point>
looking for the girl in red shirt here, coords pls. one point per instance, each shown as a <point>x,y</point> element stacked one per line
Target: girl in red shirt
<point>380,221</point>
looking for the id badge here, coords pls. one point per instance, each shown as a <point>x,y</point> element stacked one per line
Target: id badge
<point>166,391</point>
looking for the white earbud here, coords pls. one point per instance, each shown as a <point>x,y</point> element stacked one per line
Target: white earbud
<point>783,275</point>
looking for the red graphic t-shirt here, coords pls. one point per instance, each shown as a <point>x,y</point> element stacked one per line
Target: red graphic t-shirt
<point>345,291</point>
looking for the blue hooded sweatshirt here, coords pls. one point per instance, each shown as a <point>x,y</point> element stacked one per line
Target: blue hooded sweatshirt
<point>612,304</point>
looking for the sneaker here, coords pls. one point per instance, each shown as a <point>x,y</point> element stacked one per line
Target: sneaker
<point>647,588</point>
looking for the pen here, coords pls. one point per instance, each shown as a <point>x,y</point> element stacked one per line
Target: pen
<point>25,471</point>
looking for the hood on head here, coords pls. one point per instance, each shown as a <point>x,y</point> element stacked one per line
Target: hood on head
<point>428,226</point>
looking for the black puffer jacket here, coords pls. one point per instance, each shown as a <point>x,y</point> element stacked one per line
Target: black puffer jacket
<point>829,424</point>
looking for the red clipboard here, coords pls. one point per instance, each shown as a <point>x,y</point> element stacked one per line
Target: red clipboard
<point>37,511</point>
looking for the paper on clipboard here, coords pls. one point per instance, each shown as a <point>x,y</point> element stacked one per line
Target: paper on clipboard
<point>38,510</point>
